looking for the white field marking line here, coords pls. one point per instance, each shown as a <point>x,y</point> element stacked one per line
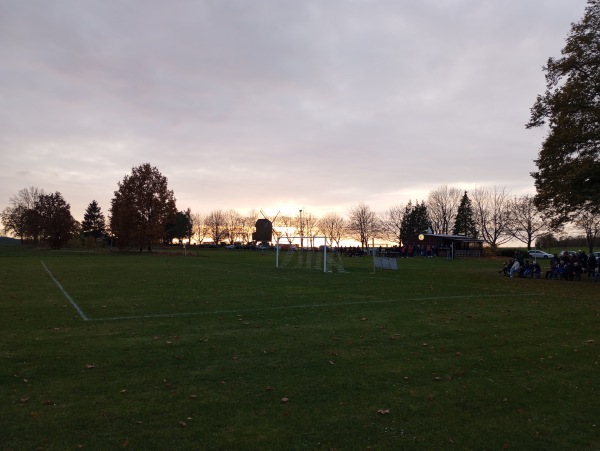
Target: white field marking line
<point>73,303</point>
<point>265,309</point>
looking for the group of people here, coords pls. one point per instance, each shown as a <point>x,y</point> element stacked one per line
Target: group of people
<point>565,266</point>
<point>410,250</point>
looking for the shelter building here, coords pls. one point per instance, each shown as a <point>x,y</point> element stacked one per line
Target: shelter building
<point>464,246</point>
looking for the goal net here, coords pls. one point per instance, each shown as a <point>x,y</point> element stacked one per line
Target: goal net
<point>309,252</point>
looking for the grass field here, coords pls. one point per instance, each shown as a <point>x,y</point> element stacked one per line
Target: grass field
<point>221,350</point>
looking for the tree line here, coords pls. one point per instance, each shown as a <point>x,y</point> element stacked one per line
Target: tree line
<point>567,182</point>
<point>143,214</point>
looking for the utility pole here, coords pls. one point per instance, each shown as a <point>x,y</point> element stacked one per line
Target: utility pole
<point>301,232</point>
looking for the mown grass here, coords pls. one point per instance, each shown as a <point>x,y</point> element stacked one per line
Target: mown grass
<point>198,352</point>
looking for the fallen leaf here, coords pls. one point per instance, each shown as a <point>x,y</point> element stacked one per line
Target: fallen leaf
<point>383,411</point>
<point>89,366</point>
<point>284,400</point>
<point>192,397</point>
<point>123,391</point>
<point>24,399</point>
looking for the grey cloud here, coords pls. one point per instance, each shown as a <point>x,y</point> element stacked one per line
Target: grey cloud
<point>320,102</point>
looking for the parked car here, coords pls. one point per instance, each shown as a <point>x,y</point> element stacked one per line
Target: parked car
<point>534,253</point>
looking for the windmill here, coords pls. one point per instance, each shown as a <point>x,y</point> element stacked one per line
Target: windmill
<point>264,228</point>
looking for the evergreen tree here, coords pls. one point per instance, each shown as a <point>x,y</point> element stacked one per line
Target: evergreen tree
<point>181,228</point>
<point>415,220</point>
<point>568,176</point>
<point>93,223</point>
<point>464,223</point>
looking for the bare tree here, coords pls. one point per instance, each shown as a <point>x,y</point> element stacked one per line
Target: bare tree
<point>363,224</point>
<point>199,228</point>
<point>392,223</point>
<point>286,227</point>
<point>492,214</point>
<point>307,224</point>
<point>217,226</point>
<point>233,225</point>
<point>590,224</point>
<point>527,223</point>
<point>442,206</point>
<point>277,222</point>
<point>14,217</point>
<point>333,227</point>
<point>248,226</point>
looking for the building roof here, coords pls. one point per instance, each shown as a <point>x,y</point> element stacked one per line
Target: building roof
<point>455,237</point>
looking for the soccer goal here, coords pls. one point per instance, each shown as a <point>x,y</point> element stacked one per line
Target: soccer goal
<point>309,252</point>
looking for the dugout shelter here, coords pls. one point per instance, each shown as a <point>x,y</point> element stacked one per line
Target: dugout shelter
<point>463,246</point>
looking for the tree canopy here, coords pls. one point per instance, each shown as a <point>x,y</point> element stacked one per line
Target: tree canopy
<point>52,219</point>
<point>182,228</point>
<point>142,207</point>
<point>568,176</point>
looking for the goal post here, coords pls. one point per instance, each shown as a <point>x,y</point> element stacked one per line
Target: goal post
<point>309,252</point>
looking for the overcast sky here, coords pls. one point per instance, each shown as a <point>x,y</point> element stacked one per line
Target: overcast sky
<point>274,104</point>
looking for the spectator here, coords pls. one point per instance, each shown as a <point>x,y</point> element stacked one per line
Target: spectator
<point>591,266</point>
<point>506,267</point>
<point>515,269</point>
